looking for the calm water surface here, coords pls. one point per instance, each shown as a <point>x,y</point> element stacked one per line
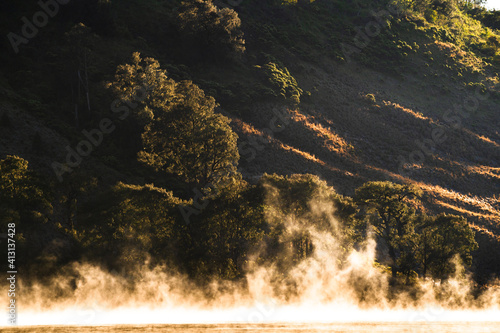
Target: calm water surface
<point>276,328</point>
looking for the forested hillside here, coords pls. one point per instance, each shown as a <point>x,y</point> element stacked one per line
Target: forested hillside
<point>192,133</point>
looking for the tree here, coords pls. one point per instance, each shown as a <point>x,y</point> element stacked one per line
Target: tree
<point>226,233</point>
<point>472,2</point>
<point>282,82</point>
<point>128,222</point>
<point>180,131</point>
<point>191,140</point>
<point>308,202</point>
<point>442,238</point>
<point>80,41</point>
<point>213,31</point>
<point>23,196</point>
<point>392,219</point>
<point>25,201</point>
<point>142,89</point>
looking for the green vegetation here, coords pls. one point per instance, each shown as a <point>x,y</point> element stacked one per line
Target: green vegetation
<point>190,140</point>
<point>393,219</point>
<point>415,243</point>
<point>167,184</point>
<point>282,82</point>
<point>441,238</point>
<point>182,133</point>
<point>131,223</point>
<point>26,201</point>
<point>209,31</point>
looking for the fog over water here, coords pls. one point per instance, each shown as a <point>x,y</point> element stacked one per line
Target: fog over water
<point>330,286</point>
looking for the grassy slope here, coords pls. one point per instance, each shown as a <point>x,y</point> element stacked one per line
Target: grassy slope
<point>348,140</point>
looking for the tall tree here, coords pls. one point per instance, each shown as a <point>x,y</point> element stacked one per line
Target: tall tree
<point>80,40</point>
<point>392,218</point>
<point>25,201</point>
<point>142,90</point>
<point>191,140</point>
<point>181,132</point>
<point>441,238</point>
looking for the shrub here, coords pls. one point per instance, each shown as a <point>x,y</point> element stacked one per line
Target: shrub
<point>370,98</point>
<point>282,82</point>
<point>431,15</point>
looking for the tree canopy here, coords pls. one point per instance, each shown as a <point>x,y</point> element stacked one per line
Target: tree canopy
<point>415,242</point>
<point>23,196</point>
<point>392,216</point>
<point>191,140</point>
<point>441,238</point>
<point>211,31</point>
<point>182,133</point>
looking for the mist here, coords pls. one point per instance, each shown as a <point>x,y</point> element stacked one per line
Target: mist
<point>332,284</point>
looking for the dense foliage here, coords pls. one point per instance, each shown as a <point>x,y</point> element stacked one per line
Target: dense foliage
<point>166,186</point>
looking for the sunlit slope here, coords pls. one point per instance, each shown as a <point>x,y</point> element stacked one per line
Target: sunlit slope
<point>421,126</point>
<point>417,104</point>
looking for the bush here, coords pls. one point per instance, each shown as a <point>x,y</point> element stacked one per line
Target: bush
<point>431,15</point>
<point>370,98</point>
<point>282,82</point>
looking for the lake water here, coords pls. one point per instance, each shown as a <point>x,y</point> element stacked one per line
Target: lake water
<point>275,328</point>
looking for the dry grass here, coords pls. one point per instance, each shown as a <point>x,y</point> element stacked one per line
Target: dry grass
<point>482,138</point>
<point>331,140</point>
<point>408,111</point>
<point>466,59</point>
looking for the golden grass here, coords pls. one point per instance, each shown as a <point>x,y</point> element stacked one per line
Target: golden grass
<point>332,141</point>
<point>245,128</point>
<point>248,130</point>
<point>399,107</point>
<point>312,158</point>
<point>474,201</point>
<point>485,170</point>
<point>478,169</point>
<point>463,211</point>
<point>481,138</point>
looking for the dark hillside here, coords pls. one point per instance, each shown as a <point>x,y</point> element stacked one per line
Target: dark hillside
<point>349,91</point>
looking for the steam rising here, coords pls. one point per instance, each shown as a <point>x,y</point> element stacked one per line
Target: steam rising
<point>330,285</point>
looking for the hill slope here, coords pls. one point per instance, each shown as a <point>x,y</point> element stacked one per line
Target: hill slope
<point>417,101</point>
